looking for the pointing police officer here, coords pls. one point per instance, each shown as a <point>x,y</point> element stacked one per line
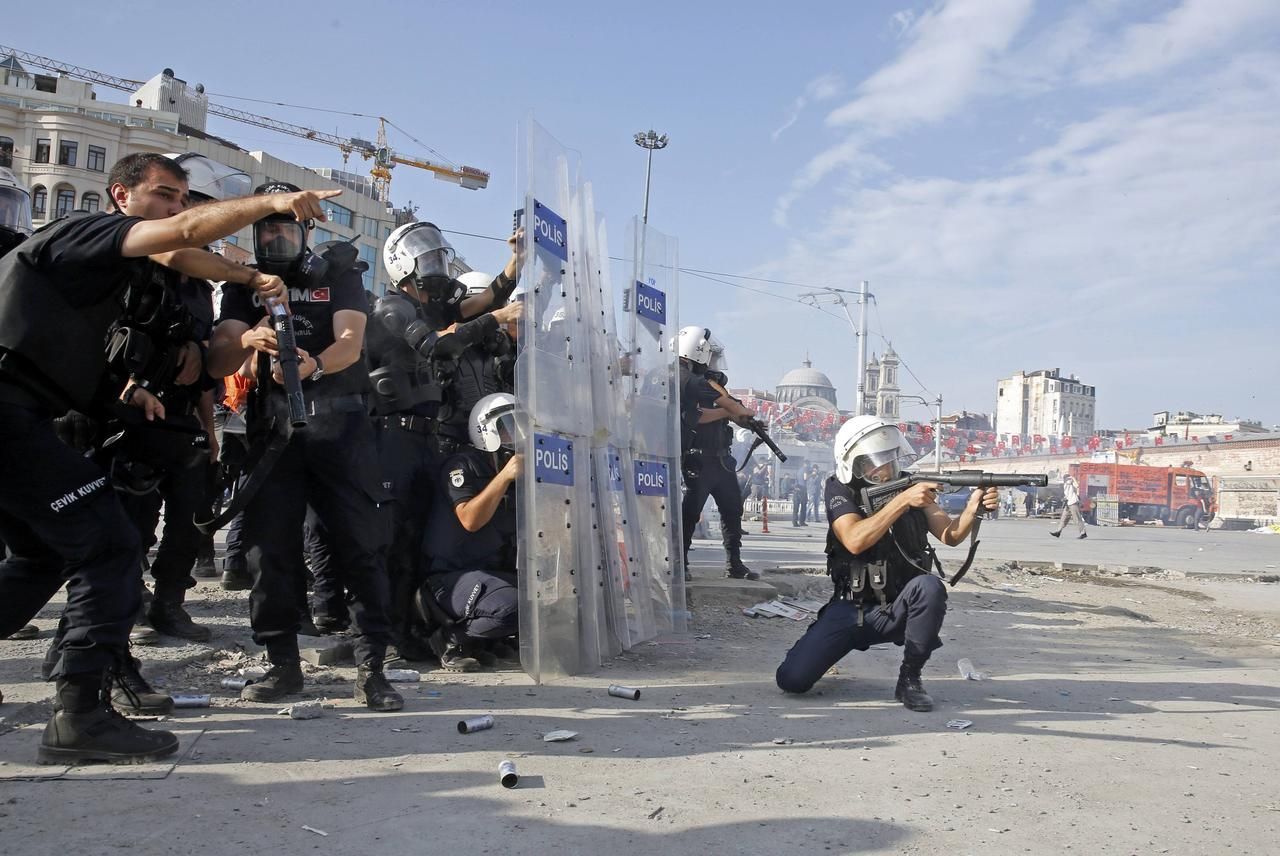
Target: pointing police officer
<point>706,440</point>
<point>330,463</point>
<point>881,564</point>
<point>416,337</point>
<point>59,293</point>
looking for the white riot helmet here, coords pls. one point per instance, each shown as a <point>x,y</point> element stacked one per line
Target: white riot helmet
<point>493,423</point>
<point>418,250</point>
<point>15,204</point>
<point>695,345</point>
<point>209,180</point>
<point>865,445</point>
<point>477,282</point>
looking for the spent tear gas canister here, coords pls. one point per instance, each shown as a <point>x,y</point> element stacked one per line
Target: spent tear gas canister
<point>188,700</point>
<point>235,683</point>
<point>475,723</point>
<point>619,691</point>
<point>507,774</point>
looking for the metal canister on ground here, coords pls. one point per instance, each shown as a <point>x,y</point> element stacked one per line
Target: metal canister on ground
<point>507,774</point>
<point>475,723</point>
<point>235,683</point>
<point>190,700</point>
<point>619,691</point>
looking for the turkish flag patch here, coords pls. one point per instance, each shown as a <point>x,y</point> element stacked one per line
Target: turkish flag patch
<point>319,295</point>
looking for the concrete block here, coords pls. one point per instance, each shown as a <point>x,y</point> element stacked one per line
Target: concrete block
<point>326,650</point>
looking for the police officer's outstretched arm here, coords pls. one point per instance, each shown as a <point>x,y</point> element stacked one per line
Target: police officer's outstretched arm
<point>197,227</point>
<point>503,284</point>
<point>952,530</point>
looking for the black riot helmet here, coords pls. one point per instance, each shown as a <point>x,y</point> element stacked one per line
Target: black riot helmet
<point>279,240</point>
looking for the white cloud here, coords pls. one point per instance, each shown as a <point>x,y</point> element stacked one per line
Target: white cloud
<point>948,51</point>
<point>901,21</point>
<point>1192,29</point>
<point>1120,239</point>
<point>822,88</point>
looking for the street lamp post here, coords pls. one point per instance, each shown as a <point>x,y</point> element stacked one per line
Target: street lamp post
<point>836,296</point>
<point>650,140</point>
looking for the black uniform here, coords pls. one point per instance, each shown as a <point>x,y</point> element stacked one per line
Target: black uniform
<point>709,470</point>
<point>473,574</point>
<point>183,489</point>
<point>60,292</point>
<point>331,464</point>
<point>411,364</point>
<point>886,594</point>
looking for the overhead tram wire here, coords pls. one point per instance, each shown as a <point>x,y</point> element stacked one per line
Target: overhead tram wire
<point>880,332</point>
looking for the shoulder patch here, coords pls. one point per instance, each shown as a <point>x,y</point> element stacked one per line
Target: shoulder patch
<point>457,477</point>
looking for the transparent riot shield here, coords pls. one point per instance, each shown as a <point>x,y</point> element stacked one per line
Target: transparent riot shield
<point>609,442</point>
<point>654,412</point>
<point>553,386</point>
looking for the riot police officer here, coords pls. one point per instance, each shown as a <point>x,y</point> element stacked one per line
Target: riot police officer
<point>470,599</point>
<point>330,463</point>
<point>15,212</point>
<point>881,564</point>
<point>415,340</point>
<point>706,438</point>
<point>60,291</point>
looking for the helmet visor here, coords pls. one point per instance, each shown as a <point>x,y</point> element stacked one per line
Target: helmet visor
<point>15,209</point>
<point>425,240</point>
<point>209,179</point>
<point>893,455</point>
<point>278,241</point>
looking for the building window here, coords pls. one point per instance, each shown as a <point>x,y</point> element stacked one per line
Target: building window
<point>97,159</point>
<point>90,202</point>
<point>66,202</point>
<point>337,214</point>
<point>67,152</point>
<point>371,227</point>
<point>39,198</point>
<point>42,151</point>
<point>320,236</point>
<point>6,152</point>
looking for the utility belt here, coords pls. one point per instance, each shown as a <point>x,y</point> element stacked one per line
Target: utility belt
<point>861,582</point>
<point>350,403</point>
<point>425,426</point>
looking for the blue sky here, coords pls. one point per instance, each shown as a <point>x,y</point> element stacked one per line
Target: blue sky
<point>1093,186</point>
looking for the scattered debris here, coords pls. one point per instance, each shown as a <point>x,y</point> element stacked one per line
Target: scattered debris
<point>783,741</point>
<point>559,736</point>
<point>619,691</point>
<point>190,700</point>
<point>507,774</point>
<point>303,710</point>
<point>968,672</point>
<point>959,724</point>
<point>316,831</point>
<point>402,676</point>
<point>653,815</point>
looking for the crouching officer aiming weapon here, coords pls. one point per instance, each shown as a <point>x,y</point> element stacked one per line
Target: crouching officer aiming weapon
<point>880,562</point>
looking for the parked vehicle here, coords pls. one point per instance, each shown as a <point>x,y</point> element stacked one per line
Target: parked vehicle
<point>1169,494</point>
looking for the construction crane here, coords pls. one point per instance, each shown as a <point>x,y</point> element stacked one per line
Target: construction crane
<point>383,156</point>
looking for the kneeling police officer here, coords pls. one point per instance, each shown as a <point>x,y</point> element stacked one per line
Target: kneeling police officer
<point>331,463</point>
<point>470,598</point>
<point>881,564</point>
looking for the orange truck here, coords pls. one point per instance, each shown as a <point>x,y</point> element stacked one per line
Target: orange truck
<point>1168,494</point>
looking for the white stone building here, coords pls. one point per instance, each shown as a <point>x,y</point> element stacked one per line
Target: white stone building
<point>881,390</point>
<point>1185,424</point>
<point>61,141</point>
<point>1046,403</point>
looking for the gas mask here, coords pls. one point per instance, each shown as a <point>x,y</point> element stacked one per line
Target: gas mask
<point>280,245</point>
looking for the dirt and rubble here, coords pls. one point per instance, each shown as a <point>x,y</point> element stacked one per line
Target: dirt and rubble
<point>1119,715</point>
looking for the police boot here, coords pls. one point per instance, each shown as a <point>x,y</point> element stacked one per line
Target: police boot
<point>168,616</point>
<point>451,655</point>
<point>910,690</point>
<point>143,633</point>
<point>373,688</point>
<point>131,693</point>
<point>205,567</point>
<point>282,679</point>
<point>236,579</point>
<point>84,727</point>
<point>735,570</point>
<point>30,631</point>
